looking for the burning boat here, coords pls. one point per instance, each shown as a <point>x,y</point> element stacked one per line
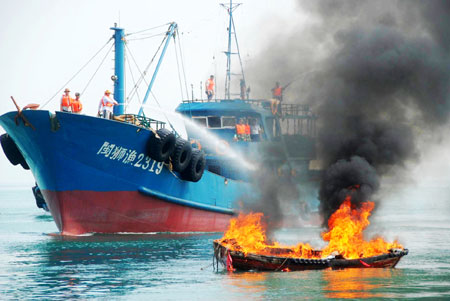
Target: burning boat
<point>245,247</point>
<point>275,262</point>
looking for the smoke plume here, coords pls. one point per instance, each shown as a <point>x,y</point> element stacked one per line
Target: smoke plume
<point>377,74</point>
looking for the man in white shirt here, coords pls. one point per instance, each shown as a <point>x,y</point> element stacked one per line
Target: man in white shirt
<point>255,130</point>
<point>106,106</point>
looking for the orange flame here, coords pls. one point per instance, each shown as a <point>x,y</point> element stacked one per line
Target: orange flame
<point>247,234</point>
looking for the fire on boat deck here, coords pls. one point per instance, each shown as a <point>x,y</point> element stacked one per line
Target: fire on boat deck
<point>240,261</point>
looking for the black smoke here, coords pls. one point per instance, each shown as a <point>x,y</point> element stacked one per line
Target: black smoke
<point>380,78</point>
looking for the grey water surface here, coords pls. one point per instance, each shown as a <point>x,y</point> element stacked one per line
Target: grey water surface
<point>36,263</point>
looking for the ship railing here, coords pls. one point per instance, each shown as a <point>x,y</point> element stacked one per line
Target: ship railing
<point>298,119</point>
<point>141,121</point>
<point>296,109</point>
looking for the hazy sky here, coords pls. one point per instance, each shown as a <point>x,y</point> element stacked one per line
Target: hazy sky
<point>44,43</point>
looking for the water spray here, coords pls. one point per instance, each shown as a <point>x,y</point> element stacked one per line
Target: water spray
<point>210,138</point>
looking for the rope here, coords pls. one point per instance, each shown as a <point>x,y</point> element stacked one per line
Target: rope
<point>207,266</point>
<point>110,39</point>
<point>147,29</point>
<point>101,63</point>
<point>281,264</point>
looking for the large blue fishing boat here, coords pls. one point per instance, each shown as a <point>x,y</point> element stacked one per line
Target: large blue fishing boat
<point>134,175</point>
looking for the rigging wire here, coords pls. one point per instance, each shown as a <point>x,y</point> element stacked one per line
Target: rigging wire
<point>133,33</point>
<point>238,51</point>
<point>146,69</point>
<point>57,92</point>
<point>136,85</point>
<point>134,82</point>
<point>164,113</point>
<point>148,37</point>
<point>101,63</point>
<point>142,78</point>
<point>182,65</point>
<point>178,69</point>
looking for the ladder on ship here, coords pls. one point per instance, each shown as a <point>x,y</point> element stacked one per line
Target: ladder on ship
<point>232,32</point>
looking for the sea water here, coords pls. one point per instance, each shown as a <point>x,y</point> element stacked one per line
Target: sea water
<point>36,263</point>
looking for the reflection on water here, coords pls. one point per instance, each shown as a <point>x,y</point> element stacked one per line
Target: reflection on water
<point>357,283</point>
<point>250,282</point>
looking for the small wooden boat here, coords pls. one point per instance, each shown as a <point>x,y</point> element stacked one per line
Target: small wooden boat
<point>236,260</point>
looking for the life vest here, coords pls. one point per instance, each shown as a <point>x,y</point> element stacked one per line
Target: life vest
<point>277,91</point>
<point>247,129</point>
<point>66,101</point>
<point>76,106</point>
<point>240,129</point>
<point>210,85</point>
<point>106,103</point>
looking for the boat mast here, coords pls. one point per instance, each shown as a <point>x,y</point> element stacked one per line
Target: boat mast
<point>231,30</point>
<point>119,70</point>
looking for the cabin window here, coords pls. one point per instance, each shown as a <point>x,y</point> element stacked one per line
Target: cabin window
<point>200,120</point>
<point>214,122</point>
<point>228,122</point>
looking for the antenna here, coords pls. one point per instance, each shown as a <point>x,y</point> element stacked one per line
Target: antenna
<point>231,31</point>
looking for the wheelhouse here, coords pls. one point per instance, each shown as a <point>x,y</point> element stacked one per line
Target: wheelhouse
<point>292,134</point>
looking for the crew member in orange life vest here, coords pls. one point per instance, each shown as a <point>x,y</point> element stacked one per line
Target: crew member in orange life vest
<point>66,101</point>
<point>247,131</point>
<point>209,87</point>
<point>240,130</point>
<point>277,94</point>
<point>76,104</point>
<point>106,106</point>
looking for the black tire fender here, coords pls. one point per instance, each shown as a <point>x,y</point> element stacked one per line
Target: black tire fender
<point>181,155</point>
<point>161,148</point>
<point>12,152</point>
<point>196,167</point>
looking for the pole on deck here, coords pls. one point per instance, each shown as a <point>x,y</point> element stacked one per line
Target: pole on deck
<point>119,70</point>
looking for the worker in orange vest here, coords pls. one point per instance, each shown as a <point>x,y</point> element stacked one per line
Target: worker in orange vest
<point>277,91</point>
<point>240,130</point>
<point>66,101</point>
<point>106,106</point>
<point>247,131</point>
<point>209,87</point>
<point>277,94</point>
<point>76,104</point>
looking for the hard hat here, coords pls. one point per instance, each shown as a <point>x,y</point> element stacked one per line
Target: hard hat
<point>67,90</point>
<point>107,92</point>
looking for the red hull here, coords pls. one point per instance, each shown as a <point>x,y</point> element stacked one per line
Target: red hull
<point>79,212</point>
